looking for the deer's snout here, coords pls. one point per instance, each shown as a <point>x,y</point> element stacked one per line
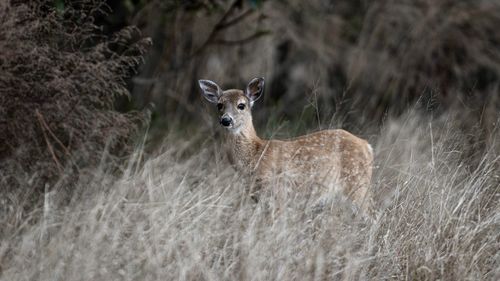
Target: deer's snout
<point>226,121</point>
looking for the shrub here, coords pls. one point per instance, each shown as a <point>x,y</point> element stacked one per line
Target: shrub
<point>59,79</point>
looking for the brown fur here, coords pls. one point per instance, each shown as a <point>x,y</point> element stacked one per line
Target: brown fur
<point>333,159</point>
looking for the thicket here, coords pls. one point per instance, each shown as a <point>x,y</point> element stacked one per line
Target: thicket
<point>59,79</point>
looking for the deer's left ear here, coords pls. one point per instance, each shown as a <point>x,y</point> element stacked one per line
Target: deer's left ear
<point>255,89</point>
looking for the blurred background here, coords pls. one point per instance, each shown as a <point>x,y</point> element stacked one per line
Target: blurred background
<point>327,63</point>
<point>81,78</point>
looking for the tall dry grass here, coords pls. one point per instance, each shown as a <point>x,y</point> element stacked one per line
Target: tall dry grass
<point>187,216</point>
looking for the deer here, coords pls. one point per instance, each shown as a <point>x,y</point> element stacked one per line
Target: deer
<point>335,159</point>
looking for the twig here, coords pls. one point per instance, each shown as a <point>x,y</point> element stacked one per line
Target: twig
<point>241,41</point>
<point>54,157</point>
<point>46,126</point>
<point>220,25</point>
<point>235,20</point>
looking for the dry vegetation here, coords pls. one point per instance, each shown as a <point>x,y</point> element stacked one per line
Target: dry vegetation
<point>71,210</point>
<point>191,219</point>
<point>58,82</point>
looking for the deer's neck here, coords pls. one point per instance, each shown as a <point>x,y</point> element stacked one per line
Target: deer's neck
<point>245,146</point>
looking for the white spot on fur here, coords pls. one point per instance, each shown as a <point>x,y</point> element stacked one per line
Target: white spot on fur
<point>370,149</point>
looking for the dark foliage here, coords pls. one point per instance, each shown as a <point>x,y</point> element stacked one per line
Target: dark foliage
<point>58,83</point>
<point>445,47</point>
<point>361,60</point>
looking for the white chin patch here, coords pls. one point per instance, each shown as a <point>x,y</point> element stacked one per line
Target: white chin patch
<point>233,130</point>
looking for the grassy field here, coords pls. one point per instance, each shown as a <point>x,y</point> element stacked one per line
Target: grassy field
<point>184,214</point>
<point>83,199</point>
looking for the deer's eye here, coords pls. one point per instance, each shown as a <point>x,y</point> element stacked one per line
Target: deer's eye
<point>241,106</point>
<point>220,106</point>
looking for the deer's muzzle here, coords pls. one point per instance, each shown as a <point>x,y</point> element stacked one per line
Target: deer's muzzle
<point>226,121</point>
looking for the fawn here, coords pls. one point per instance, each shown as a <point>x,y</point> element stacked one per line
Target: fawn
<point>335,159</point>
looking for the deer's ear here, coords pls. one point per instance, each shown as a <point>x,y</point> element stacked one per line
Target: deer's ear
<point>255,89</point>
<point>210,90</point>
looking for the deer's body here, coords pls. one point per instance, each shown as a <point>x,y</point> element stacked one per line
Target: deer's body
<point>334,160</point>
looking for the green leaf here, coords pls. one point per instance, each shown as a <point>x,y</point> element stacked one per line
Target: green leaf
<point>59,5</point>
<point>255,3</point>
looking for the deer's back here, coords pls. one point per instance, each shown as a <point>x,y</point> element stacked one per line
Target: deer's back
<point>329,157</point>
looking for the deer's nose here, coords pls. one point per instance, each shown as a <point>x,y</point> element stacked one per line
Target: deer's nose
<point>226,121</point>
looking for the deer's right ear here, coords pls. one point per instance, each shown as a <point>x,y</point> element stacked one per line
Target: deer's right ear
<point>211,91</point>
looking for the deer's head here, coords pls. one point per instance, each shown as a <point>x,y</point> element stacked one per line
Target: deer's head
<point>234,106</point>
